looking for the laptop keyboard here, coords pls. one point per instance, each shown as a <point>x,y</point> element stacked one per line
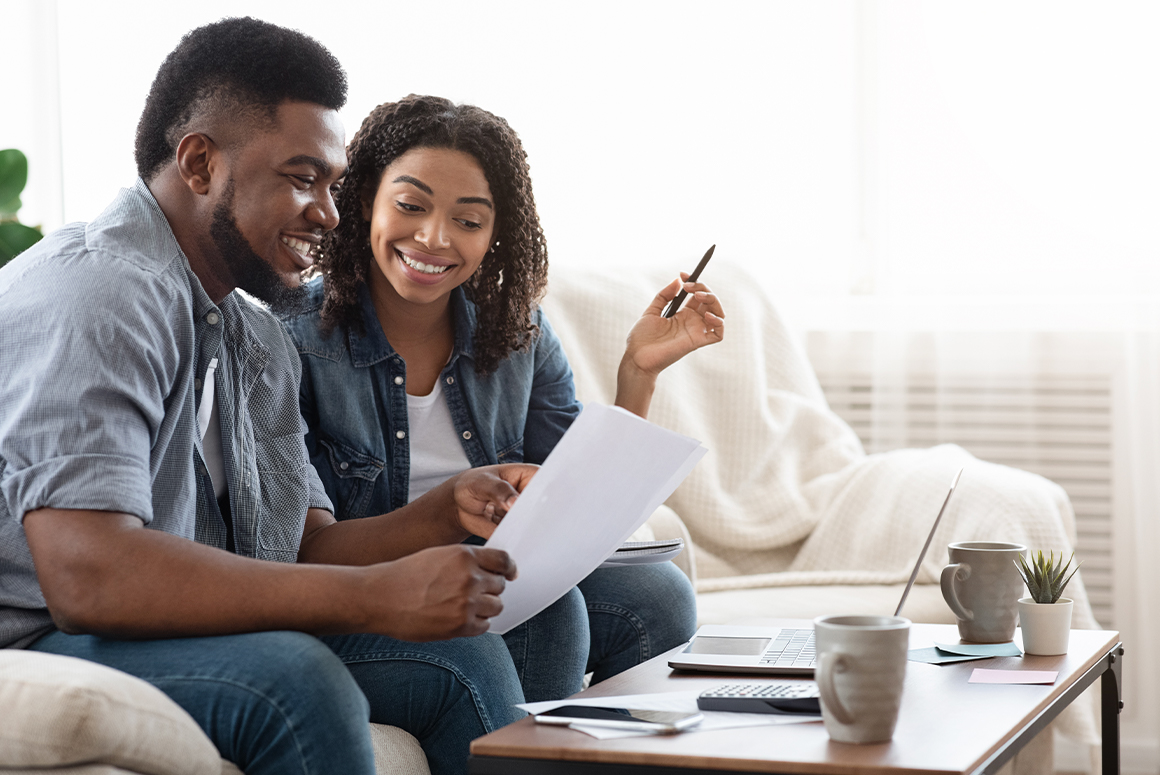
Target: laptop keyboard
<point>791,648</point>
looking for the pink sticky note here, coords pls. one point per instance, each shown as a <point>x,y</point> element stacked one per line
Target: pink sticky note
<point>982,675</point>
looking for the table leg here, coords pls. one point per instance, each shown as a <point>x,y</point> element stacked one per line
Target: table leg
<point>1111,703</point>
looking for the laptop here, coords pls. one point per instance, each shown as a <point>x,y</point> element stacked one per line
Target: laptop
<point>727,648</point>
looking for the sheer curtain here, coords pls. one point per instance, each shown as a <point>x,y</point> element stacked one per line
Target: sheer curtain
<point>1009,297</point>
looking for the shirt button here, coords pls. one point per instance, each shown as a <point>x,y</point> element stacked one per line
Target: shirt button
<point>344,465</point>
<point>398,380</point>
<point>212,318</point>
<point>400,435</point>
<point>197,384</point>
<point>467,434</point>
<point>451,380</point>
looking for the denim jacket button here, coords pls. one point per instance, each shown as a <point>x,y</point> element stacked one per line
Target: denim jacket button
<point>451,380</point>
<point>344,465</point>
<point>467,434</point>
<point>400,435</point>
<point>398,380</point>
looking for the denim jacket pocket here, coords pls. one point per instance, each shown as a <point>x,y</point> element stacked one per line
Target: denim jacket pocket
<point>355,474</point>
<point>512,453</point>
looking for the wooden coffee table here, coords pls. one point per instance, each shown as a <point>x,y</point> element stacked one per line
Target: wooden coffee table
<point>946,725</point>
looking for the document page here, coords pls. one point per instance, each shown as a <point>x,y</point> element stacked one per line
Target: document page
<point>605,478</point>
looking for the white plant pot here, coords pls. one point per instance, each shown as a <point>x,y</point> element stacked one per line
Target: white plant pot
<point>1045,626</point>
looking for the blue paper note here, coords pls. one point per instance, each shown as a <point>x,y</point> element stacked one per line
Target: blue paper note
<point>1008,649</point>
<point>934,656</point>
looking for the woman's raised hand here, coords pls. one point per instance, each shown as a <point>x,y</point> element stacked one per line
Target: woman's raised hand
<point>657,342</point>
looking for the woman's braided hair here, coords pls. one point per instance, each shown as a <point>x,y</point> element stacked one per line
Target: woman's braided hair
<point>512,278</point>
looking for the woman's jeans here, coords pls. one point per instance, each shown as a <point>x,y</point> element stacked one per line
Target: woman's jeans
<point>286,702</point>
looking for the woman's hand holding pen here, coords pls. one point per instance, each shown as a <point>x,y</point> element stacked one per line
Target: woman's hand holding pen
<point>484,495</point>
<point>657,342</point>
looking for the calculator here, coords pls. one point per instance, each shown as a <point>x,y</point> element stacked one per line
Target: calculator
<point>790,699</point>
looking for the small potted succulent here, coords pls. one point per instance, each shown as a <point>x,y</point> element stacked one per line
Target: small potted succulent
<point>1045,616</point>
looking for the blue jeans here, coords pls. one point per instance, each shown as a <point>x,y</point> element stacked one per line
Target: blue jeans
<point>635,613</point>
<point>614,619</point>
<point>285,702</point>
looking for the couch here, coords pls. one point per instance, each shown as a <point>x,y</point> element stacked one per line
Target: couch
<point>785,517</point>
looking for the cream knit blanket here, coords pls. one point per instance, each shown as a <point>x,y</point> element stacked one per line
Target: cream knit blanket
<point>786,496</point>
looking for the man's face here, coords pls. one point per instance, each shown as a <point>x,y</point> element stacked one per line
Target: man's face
<point>277,202</point>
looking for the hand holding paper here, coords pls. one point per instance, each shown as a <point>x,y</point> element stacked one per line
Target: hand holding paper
<point>607,475</point>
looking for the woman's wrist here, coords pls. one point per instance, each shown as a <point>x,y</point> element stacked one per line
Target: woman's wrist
<point>634,387</point>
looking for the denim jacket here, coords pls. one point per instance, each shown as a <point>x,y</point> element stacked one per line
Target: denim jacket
<point>354,400</point>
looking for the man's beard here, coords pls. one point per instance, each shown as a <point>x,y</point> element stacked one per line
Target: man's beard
<point>250,273</point>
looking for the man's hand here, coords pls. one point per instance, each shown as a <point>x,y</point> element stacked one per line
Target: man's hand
<point>484,495</point>
<point>440,593</point>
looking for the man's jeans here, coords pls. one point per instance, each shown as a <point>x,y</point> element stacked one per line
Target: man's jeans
<point>286,702</point>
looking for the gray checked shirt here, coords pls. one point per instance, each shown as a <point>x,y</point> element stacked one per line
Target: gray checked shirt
<point>105,337</point>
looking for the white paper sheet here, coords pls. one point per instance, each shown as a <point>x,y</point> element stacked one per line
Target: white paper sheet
<point>603,480</point>
<point>677,702</point>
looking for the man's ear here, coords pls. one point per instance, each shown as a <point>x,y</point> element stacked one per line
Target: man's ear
<point>195,153</point>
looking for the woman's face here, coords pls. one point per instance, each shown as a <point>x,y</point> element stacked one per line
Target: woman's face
<point>432,221</point>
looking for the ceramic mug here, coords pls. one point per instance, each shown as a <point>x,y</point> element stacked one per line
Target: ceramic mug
<point>861,668</point>
<point>982,586</point>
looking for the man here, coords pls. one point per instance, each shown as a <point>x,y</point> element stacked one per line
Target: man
<point>149,421</point>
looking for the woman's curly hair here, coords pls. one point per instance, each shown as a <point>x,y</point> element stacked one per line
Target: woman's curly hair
<point>511,280</point>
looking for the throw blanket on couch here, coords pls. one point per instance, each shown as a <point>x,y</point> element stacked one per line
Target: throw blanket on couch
<point>786,495</point>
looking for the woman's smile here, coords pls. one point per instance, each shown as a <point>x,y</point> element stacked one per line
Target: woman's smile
<point>422,267</point>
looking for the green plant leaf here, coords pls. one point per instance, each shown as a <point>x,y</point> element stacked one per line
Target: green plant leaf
<point>15,238</point>
<point>13,178</point>
<point>1044,576</point>
<point>8,209</point>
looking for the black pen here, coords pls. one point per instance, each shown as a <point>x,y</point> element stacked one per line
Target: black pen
<point>675,304</point>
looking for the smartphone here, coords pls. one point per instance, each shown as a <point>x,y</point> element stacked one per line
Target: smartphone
<point>656,721</point>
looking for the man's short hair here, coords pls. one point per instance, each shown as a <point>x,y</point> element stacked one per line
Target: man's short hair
<point>242,68</point>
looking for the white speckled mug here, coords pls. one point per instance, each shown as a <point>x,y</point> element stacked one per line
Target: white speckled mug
<point>861,670</point>
<point>982,586</point>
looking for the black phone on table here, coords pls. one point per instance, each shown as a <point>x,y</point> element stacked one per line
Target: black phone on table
<point>656,721</point>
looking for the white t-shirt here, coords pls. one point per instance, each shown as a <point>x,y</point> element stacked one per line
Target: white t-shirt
<point>436,453</point>
<point>211,447</point>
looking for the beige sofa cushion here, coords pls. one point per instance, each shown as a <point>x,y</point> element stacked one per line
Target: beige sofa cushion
<point>75,712</point>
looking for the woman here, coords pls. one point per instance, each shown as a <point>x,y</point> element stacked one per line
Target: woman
<point>424,353</point>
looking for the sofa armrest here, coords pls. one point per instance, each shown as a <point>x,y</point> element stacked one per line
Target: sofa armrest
<point>61,711</point>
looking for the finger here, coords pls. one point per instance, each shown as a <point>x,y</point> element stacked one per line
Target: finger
<point>488,606</point>
<point>663,297</point>
<point>714,329</point>
<point>489,513</point>
<point>490,584</point>
<point>498,493</point>
<point>708,302</point>
<point>496,561</point>
<point>518,475</point>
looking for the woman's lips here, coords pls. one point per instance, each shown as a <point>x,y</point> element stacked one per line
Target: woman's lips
<point>427,270</point>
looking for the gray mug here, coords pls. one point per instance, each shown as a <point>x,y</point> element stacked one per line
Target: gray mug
<point>982,586</point>
<point>860,671</point>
